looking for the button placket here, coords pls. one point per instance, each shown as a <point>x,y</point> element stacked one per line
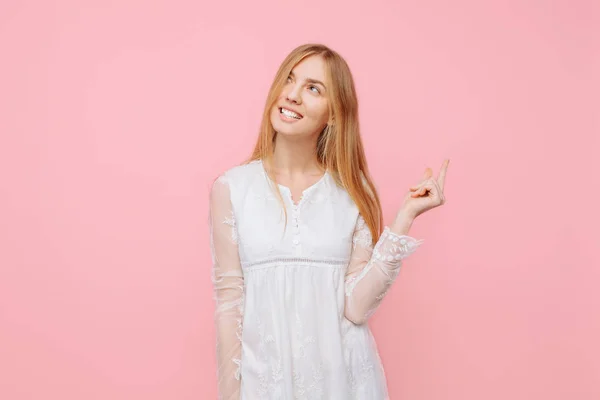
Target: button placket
<point>296,224</point>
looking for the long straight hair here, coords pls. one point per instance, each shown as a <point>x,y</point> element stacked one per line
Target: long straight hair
<point>339,146</point>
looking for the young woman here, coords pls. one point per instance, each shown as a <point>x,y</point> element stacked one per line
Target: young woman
<point>301,259</point>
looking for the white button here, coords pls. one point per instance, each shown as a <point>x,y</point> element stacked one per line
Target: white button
<point>296,241</point>
<point>390,258</point>
<point>403,241</point>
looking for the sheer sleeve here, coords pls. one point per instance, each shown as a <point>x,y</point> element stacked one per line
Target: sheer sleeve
<point>228,285</point>
<point>373,269</point>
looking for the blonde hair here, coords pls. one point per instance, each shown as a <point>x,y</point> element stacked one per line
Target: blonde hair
<point>339,146</point>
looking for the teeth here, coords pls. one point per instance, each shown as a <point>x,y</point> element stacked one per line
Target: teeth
<point>290,113</point>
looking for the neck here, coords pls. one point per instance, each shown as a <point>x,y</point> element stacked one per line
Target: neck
<point>296,156</point>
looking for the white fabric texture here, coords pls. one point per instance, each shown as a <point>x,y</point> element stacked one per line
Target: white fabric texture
<point>292,306</point>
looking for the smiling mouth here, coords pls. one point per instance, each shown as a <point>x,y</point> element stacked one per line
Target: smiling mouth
<point>289,114</point>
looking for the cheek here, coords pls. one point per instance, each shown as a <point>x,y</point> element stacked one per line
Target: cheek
<point>325,115</point>
<point>319,111</point>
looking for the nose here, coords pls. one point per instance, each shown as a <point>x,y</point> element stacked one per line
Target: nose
<point>293,94</point>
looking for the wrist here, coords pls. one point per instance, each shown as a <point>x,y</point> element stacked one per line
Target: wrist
<point>403,222</point>
<point>406,214</point>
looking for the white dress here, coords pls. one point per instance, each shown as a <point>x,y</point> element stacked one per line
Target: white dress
<point>291,306</point>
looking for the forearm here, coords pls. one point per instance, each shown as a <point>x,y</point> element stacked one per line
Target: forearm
<point>402,223</point>
<point>366,290</point>
<point>229,328</point>
<point>228,360</point>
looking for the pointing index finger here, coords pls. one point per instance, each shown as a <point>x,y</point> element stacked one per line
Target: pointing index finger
<point>442,175</point>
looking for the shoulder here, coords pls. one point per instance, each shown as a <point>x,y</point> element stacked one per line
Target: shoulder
<point>243,171</point>
<point>239,174</point>
<point>239,178</point>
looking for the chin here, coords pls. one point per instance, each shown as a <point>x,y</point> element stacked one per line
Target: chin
<point>286,131</point>
<point>280,126</point>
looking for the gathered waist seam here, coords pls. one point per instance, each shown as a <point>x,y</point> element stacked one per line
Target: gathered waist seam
<point>300,261</point>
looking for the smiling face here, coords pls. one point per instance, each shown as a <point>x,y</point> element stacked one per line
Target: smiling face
<point>303,100</point>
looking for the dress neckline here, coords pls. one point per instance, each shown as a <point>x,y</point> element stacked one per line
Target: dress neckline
<point>305,191</point>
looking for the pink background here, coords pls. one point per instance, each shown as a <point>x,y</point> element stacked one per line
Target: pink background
<point>115,116</point>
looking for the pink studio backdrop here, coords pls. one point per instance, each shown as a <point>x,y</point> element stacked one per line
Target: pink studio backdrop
<point>115,117</point>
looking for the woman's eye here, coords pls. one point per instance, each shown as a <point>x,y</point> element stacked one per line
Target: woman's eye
<point>289,78</point>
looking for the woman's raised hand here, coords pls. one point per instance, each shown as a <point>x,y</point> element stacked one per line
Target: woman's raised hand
<point>427,194</point>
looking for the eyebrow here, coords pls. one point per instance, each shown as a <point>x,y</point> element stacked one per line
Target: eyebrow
<point>310,80</point>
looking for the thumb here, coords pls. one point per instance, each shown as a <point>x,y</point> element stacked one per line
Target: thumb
<point>428,173</point>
